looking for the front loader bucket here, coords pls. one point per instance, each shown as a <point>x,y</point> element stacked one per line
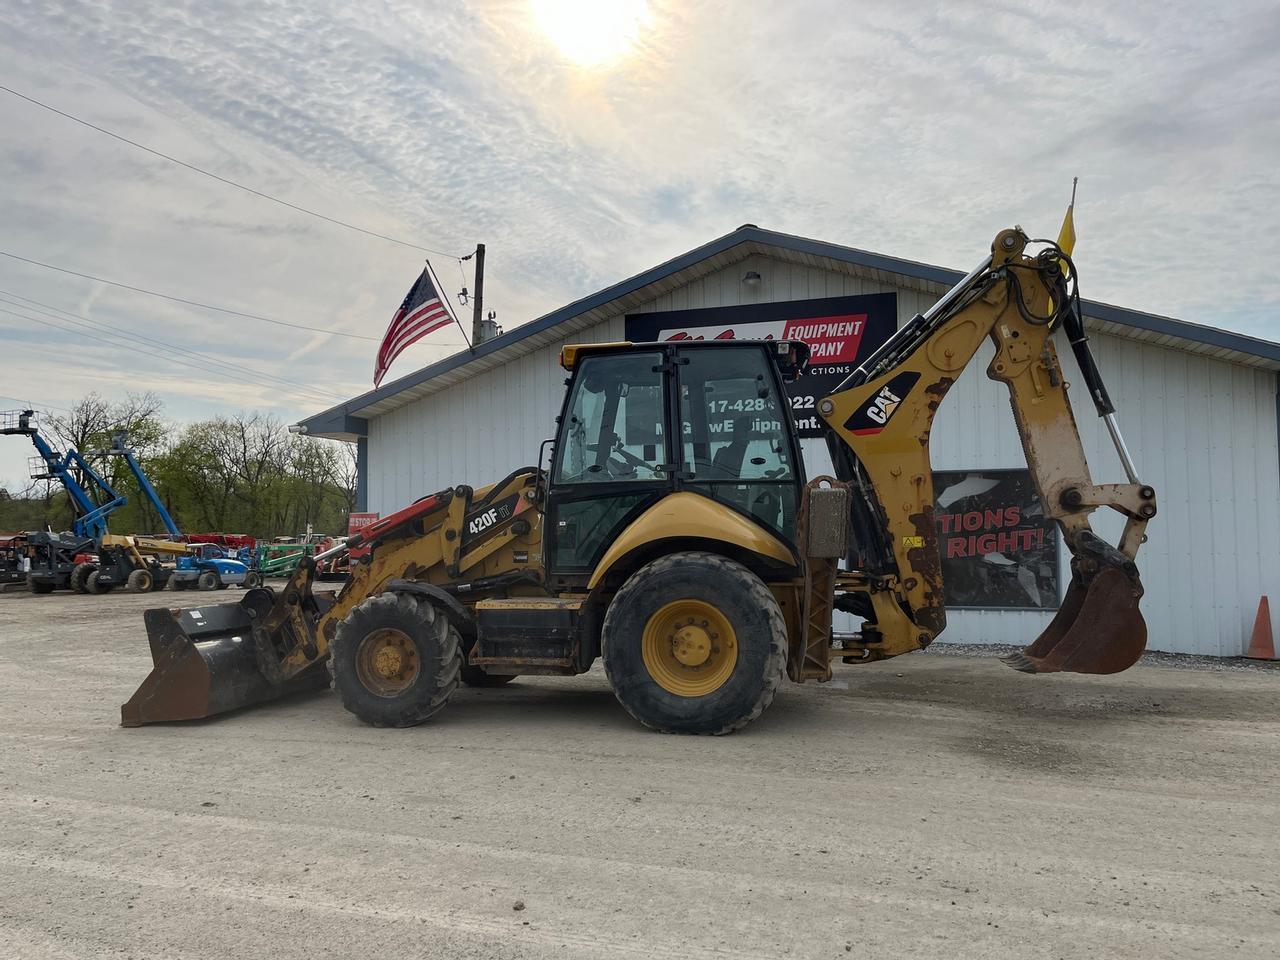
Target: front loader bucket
<point>1099,628</point>
<point>204,664</point>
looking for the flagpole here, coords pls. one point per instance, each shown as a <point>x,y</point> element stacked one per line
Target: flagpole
<point>477,314</point>
<point>444,299</point>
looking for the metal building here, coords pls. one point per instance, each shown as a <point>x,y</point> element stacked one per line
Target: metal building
<point>1198,406</point>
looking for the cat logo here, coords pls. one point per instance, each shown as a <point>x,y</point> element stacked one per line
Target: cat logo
<point>882,407</point>
<point>874,415</point>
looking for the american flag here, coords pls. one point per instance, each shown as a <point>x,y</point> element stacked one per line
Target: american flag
<point>423,311</point>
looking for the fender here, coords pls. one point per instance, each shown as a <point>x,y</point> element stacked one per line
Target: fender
<point>686,515</point>
<point>458,614</point>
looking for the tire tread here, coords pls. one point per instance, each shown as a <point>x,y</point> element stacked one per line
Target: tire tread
<point>402,605</point>
<point>776,668</point>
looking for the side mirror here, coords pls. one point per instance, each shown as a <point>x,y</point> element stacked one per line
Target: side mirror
<point>544,476</point>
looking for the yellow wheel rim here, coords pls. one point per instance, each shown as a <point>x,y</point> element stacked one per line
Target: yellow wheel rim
<point>689,648</point>
<point>387,662</point>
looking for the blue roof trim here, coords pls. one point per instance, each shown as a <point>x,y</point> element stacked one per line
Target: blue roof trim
<point>328,420</point>
<point>1195,332</point>
<point>337,420</point>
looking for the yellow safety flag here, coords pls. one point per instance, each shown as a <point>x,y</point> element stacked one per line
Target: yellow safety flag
<point>1067,235</point>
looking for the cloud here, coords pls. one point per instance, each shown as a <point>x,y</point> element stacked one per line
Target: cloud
<point>911,129</point>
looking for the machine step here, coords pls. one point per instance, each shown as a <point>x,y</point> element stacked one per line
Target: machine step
<point>528,635</point>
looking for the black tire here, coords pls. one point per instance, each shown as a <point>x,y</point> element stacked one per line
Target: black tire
<point>252,580</point>
<point>436,645</point>
<point>140,581</point>
<point>476,677</point>
<point>79,575</point>
<point>208,580</point>
<point>741,598</point>
<point>38,586</point>
<point>93,585</point>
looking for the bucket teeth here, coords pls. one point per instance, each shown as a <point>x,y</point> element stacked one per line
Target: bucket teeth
<point>1098,629</point>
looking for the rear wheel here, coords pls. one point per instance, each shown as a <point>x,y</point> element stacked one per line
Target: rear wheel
<point>38,586</point>
<point>140,581</point>
<point>93,583</point>
<point>80,575</point>
<point>395,660</point>
<point>208,580</point>
<point>695,643</point>
<point>252,580</point>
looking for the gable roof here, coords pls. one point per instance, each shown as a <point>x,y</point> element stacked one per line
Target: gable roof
<point>348,420</point>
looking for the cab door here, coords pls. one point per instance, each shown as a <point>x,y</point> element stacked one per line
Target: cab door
<point>612,456</point>
<point>738,443</point>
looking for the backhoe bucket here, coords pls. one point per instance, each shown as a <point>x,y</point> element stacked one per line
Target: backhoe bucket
<point>1099,628</point>
<point>205,664</point>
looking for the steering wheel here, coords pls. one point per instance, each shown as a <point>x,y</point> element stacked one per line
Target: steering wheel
<point>621,463</point>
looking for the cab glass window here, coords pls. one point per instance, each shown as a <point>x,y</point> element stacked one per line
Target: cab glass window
<point>613,427</point>
<point>735,441</point>
<point>732,418</point>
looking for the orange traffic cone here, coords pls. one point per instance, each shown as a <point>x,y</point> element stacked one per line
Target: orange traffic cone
<point>1262,645</point>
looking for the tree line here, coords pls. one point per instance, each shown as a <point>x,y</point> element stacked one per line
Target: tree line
<point>243,473</point>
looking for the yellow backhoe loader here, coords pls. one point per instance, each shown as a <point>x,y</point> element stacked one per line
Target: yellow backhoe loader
<point>675,536</point>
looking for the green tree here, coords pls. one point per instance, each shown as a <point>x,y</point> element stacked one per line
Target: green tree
<point>242,473</point>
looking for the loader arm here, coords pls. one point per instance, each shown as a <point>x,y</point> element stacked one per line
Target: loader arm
<point>463,539</point>
<point>879,422</point>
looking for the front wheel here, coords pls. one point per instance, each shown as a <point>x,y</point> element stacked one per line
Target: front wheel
<point>252,580</point>
<point>695,643</point>
<point>208,580</point>
<point>140,581</point>
<point>395,660</point>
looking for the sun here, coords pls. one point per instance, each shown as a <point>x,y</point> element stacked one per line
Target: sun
<point>591,32</point>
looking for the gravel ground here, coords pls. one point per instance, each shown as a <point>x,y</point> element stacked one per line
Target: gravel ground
<point>937,806</point>
<point>1152,658</point>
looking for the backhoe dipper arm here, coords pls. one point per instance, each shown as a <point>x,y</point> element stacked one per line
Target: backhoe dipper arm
<point>879,422</point>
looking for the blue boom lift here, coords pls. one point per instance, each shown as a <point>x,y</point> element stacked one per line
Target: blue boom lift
<point>120,448</point>
<point>126,561</point>
<point>53,555</point>
<point>91,512</point>
<point>61,560</point>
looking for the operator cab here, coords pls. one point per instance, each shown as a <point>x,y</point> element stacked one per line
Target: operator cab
<point>615,453</point>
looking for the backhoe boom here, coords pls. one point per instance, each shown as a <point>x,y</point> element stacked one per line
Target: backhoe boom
<point>880,421</point>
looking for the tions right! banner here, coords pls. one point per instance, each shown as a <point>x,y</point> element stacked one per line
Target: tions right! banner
<point>998,549</point>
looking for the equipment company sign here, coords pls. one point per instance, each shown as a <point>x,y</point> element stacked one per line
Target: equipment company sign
<point>841,332</point>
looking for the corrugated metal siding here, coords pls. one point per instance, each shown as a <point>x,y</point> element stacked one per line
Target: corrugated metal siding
<point>1202,430</point>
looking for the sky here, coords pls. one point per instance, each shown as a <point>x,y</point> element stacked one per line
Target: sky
<point>583,141</point>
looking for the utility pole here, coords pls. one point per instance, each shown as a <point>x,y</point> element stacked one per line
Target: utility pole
<point>477,301</point>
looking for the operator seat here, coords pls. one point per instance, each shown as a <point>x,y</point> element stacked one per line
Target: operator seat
<point>728,459</point>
